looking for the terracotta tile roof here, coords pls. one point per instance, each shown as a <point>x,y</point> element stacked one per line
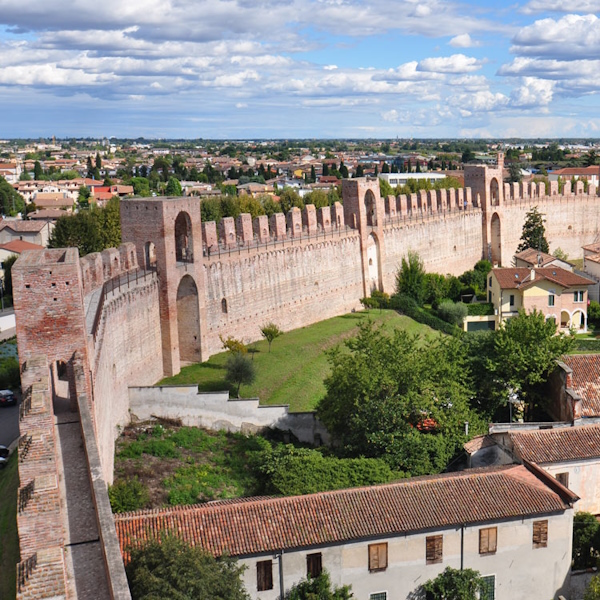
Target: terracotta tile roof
<point>479,442</point>
<point>531,256</point>
<point>520,278</point>
<point>420,503</point>
<point>593,258</point>
<point>17,246</point>
<point>556,445</point>
<point>585,380</point>
<point>22,226</point>
<point>595,247</point>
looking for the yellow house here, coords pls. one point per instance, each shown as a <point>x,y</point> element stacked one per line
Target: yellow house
<point>559,294</point>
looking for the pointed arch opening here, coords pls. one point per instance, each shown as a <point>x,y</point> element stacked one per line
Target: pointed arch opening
<point>188,320</point>
<point>370,209</point>
<point>496,240</point>
<point>183,238</point>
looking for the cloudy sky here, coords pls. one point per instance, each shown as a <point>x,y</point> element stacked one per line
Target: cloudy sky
<point>299,68</point>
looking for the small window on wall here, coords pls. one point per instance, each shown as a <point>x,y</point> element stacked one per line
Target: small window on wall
<point>434,546</point>
<point>314,564</point>
<point>378,596</point>
<point>488,588</point>
<point>540,534</point>
<point>224,306</point>
<point>563,479</point>
<point>378,557</point>
<point>264,575</point>
<point>512,299</point>
<point>578,296</point>
<point>490,282</point>
<point>550,299</point>
<point>488,540</point>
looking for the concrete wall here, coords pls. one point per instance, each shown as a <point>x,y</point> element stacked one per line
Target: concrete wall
<point>217,411</point>
<point>584,480</point>
<point>520,570</point>
<point>127,351</point>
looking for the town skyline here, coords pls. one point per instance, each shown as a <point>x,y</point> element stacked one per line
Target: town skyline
<point>299,69</point>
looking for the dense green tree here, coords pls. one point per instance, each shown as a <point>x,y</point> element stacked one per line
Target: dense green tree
<point>455,584</point>
<point>318,588</point>
<point>398,397</point>
<point>515,174</point>
<point>289,198</point>
<point>7,265</point>
<point>38,172</point>
<point>534,232</point>
<point>170,568</point>
<point>11,202</point>
<point>317,197</point>
<point>452,312</point>
<point>239,370</point>
<point>210,210</point>
<point>410,278</point>
<point>173,187</point>
<point>84,196</point>
<point>525,351</point>
<point>586,540</point>
<point>141,186</point>
<point>468,155</point>
<point>360,172</point>
<point>343,170</point>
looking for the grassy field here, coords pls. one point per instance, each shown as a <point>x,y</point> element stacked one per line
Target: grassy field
<point>9,542</point>
<point>293,372</point>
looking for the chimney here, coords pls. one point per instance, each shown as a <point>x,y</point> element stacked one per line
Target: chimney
<point>532,274</point>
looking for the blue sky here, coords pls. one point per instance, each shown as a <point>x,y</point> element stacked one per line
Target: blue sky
<point>299,68</point>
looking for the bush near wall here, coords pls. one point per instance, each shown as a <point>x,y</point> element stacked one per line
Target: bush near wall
<point>409,307</point>
<point>480,309</point>
<point>587,345</point>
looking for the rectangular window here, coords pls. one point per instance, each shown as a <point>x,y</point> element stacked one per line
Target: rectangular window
<point>512,299</point>
<point>314,564</point>
<point>378,596</point>
<point>578,296</point>
<point>563,478</point>
<point>488,588</point>
<point>488,540</point>
<point>434,549</point>
<point>378,557</point>
<point>540,534</point>
<point>490,282</point>
<point>550,299</point>
<point>264,575</point>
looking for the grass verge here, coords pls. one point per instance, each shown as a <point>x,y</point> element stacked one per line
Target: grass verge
<point>9,541</point>
<point>293,372</point>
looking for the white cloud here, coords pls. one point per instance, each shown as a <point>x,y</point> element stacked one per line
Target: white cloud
<point>571,37</point>
<point>390,115</point>
<point>575,6</point>
<point>457,63</point>
<point>464,40</point>
<point>533,92</point>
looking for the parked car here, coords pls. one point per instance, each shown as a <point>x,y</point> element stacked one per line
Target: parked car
<point>3,462</point>
<point>7,398</point>
<point>4,452</point>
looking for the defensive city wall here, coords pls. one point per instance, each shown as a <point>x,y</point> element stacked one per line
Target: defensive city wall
<point>89,329</point>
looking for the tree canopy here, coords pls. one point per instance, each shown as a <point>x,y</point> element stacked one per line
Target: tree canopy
<point>11,202</point>
<point>534,232</point>
<point>399,397</point>
<point>410,278</point>
<point>318,588</point>
<point>169,568</point>
<point>455,584</point>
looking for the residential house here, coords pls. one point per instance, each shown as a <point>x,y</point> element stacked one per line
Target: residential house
<point>56,200</point>
<point>559,294</point>
<point>590,174</point>
<point>15,248</point>
<point>513,524</point>
<point>35,232</point>
<point>570,454</point>
<point>531,258</point>
<point>11,171</point>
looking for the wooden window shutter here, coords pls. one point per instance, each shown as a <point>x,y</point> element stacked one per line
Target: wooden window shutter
<point>434,549</point>
<point>488,540</point>
<point>314,564</point>
<point>264,575</point>
<point>377,557</point>
<point>540,534</point>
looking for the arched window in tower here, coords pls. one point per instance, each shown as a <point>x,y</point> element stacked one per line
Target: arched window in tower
<point>370,209</point>
<point>183,238</point>
<point>224,306</point>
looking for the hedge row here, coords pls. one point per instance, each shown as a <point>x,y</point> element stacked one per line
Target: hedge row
<point>587,345</point>
<point>480,309</point>
<point>409,307</point>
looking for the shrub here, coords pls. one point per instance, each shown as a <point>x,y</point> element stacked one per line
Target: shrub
<point>409,307</point>
<point>128,495</point>
<point>291,471</point>
<point>587,345</point>
<point>10,375</point>
<point>480,309</point>
<point>594,313</point>
<point>452,313</point>
<point>586,539</point>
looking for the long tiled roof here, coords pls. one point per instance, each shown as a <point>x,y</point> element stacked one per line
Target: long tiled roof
<point>585,381</point>
<point>557,445</point>
<point>520,277</point>
<point>533,256</point>
<point>420,503</point>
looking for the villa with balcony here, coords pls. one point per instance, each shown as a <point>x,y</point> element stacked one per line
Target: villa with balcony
<point>559,294</point>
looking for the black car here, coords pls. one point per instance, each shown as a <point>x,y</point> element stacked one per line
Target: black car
<point>4,452</point>
<point>7,398</point>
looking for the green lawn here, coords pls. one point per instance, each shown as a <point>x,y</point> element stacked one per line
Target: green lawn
<point>293,372</point>
<point>9,542</point>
